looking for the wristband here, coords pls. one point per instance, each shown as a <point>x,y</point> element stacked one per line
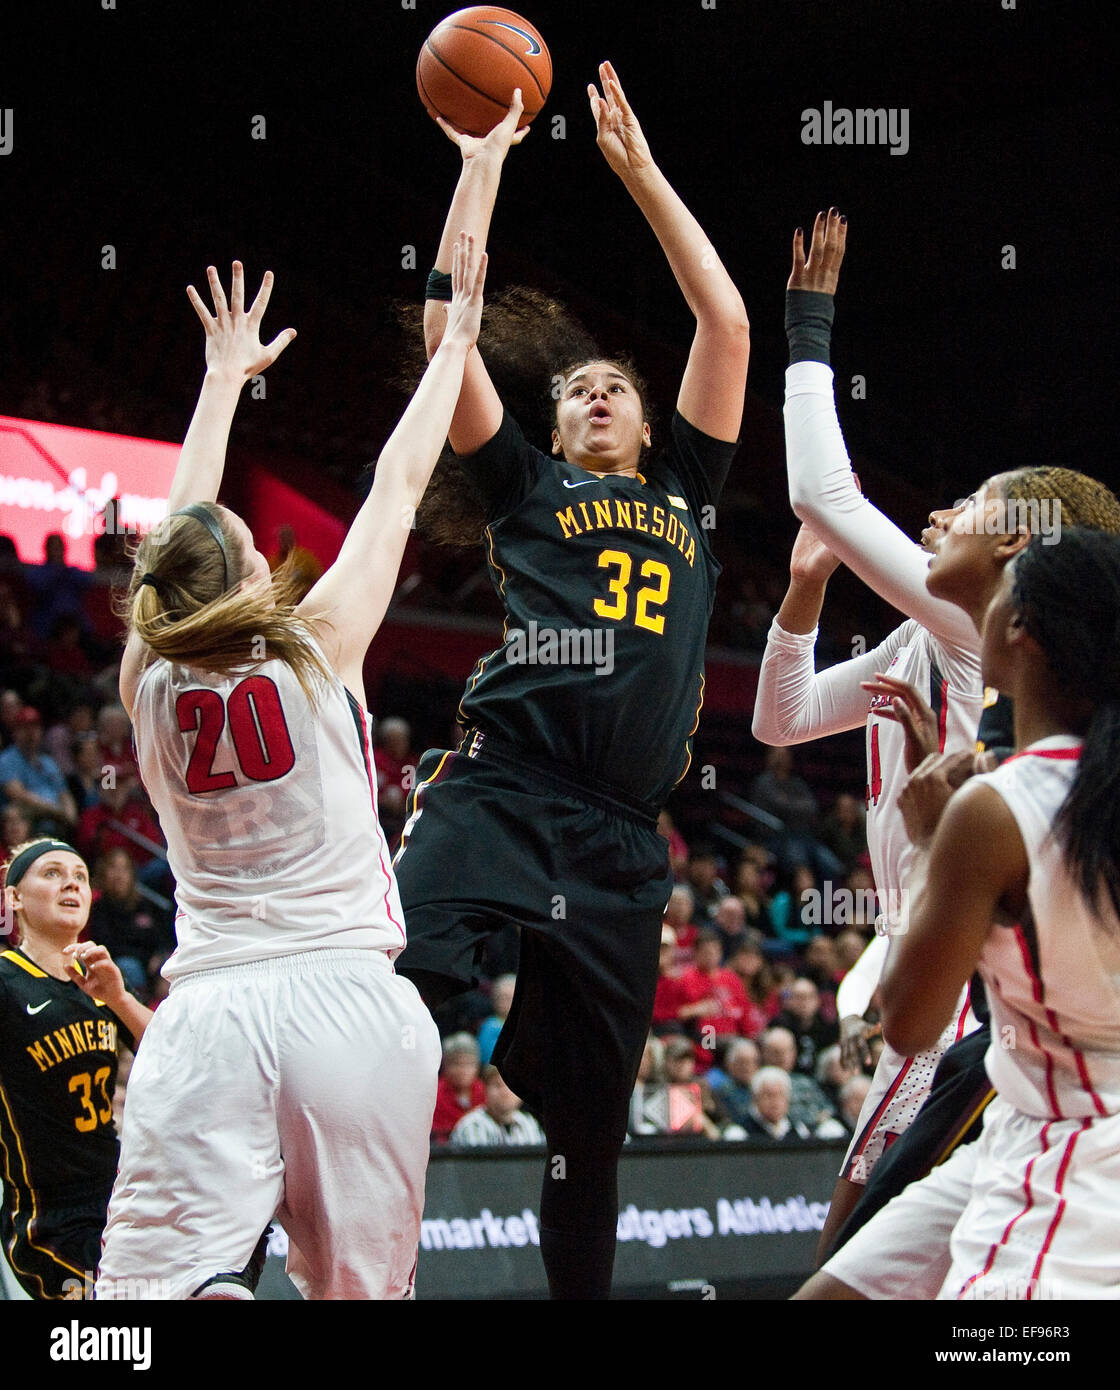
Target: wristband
<point>439,286</point>
<point>809,316</point>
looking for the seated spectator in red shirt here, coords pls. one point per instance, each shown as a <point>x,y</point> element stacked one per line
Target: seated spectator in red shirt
<point>459,1088</point>
<point>757,974</point>
<point>714,1001</point>
<point>121,805</point>
<point>668,998</point>
<point>678,850</point>
<point>802,1016</point>
<point>679,912</point>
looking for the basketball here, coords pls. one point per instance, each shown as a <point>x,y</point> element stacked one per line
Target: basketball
<point>472,61</point>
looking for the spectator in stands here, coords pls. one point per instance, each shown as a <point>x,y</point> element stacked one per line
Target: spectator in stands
<point>844,829</point>
<point>19,647</point>
<point>459,1088</point>
<point>730,921</point>
<point>850,945</point>
<point>678,850</point>
<point>84,779</point>
<point>11,702</point>
<point>768,1116</point>
<point>499,1120</point>
<point>793,905</point>
<point>713,1000</point>
<point>679,914</point>
<point>668,998</point>
<point>395,764</point>
<point>780,792</point>
<point>689,1099</point>
<point>650,1098</point>
<point>748,962</point>
<point>733,1095</point>
<point>114,731</point>
<point>15,828</point>
<point>852,1096</point>
<point>750,889</point>
<point>56,588</point>
<point>65,653</point>
<point>120,814</point>
<point>819,965</point>
<point>58,741</point>
<point>136,934</point>
<point>802,1016</point>
<point>708,889</point>
<point>808,1104</point>
<point>501,996</point>
<point>860,884</point>
<point>30,778</point>
<point>832,1074</point>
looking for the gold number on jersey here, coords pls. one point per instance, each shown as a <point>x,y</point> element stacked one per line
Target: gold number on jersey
<point>88,1120</point>
<point>650,596</point>
<point>616,610</point>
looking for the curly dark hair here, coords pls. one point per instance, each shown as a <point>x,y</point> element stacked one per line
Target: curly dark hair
<point>531,343</point>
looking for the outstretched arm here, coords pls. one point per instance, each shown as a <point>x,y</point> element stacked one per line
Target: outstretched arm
<point>714,383</point>
<point>822,487</point>
<point>234,355</point>
<point>348,603</point>
<point>478,412</point>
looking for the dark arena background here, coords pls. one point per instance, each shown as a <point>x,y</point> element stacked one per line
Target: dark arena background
<point>141,142</point>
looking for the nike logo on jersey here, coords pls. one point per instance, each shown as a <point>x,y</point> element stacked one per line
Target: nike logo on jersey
<point>534,47</point>
<point>38,1007</point>
<point>589,481</point>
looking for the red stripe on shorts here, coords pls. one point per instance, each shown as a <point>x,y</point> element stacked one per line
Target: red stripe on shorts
<point>1062,1168</point>
<point>1028,1203</point>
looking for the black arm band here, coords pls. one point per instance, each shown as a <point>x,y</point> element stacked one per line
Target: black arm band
<point>809,318</point>
<point>439,286</point>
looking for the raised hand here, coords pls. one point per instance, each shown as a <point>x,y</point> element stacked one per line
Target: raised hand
<point>468,276</point>
<point>495,145</point>
<point>821,271</point>
<point>101,978</point>
<point>233,346</point>
<point>908,708</point>
<point>617,131</point>
<point>811,561</point>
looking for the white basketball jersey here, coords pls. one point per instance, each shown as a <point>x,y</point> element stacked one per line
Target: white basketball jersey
<point>1054,979</point>
<point>949,679</point>
<point>269,808</point>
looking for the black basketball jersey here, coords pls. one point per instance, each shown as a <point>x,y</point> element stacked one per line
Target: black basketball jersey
<point>58,1069</point>
<point>997,724</point>
<point>608,584</point>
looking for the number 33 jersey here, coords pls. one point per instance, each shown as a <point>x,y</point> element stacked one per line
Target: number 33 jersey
<point>269,808</point>
<point>608,583</point>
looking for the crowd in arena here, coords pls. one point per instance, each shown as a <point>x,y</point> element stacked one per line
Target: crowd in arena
<point>745,1036</point>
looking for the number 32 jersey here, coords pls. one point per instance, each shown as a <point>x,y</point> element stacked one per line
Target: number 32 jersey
<point>269,808</point>
<point>608,583</point>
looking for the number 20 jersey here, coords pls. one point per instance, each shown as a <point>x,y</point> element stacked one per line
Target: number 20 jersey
<point>269,808</point>
<point>608,583</point>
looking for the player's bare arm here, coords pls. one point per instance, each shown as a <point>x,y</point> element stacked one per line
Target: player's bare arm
<point>479,410</point>
<point>714,382</point>
<point>976,867</point>
<point>348,603</point>
<point>811,565</point>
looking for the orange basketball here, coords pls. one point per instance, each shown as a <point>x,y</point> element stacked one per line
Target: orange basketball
<point>472,61</point>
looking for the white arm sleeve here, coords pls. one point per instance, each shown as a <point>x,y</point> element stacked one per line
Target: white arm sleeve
<point>823,493</point>
<point>794,704</point>
<point>861,982</point>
